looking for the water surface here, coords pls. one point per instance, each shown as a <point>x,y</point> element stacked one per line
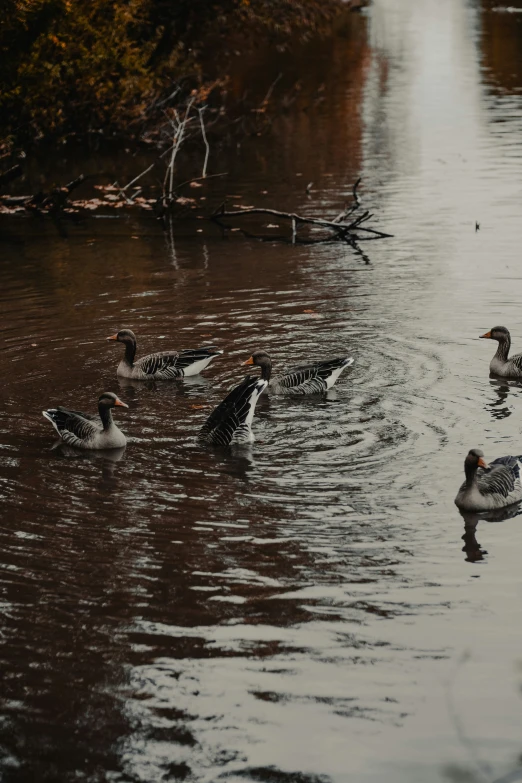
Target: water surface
<point>305,609</point>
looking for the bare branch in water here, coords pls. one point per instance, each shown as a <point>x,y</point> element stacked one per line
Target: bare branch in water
<point>179,127</point>
<point>137,178</point>
<point>207,146</point>
<point>198,179</point>
<point>344,227</point>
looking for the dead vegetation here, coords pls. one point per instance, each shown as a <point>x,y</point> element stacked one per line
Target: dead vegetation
<point>174,200</point>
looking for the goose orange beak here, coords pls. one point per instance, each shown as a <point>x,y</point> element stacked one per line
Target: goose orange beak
<point>482,463</point>
<point>488,334</point>
<point>248,361</point>
<point>120,404</point>
<point>112,337</point>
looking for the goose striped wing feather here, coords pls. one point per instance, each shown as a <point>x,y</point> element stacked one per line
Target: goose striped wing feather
<point>310,378</point>
<point>191,356</point>
<point>516,361</point>
<point>232,414</point>
<point>72,426</point>
<point>501,476</point>
<point>164,363</point>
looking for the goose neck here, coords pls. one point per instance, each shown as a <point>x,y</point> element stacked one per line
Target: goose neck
<point>503,349</point>
<point>105,416</point>
<point>130,352</point>
<point>471,474</point>
<point>266,369</point>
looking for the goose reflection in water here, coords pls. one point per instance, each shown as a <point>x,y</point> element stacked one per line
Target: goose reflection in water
<point>106,458</point>
<point>472,548</point>
<point>182,386</point>
<point>498,408</point>
<point>236,461</point>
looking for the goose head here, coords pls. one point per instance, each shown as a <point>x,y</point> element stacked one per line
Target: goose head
<point>109,400</point>
<point>128,338</point>
<point>124,336</point>
<point>499,333</point>
<point>261,359</point>
<point>474,460</point>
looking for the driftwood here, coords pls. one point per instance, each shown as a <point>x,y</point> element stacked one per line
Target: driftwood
<point>350,225</point>
<point>51,202</point>
<point>339,228</point>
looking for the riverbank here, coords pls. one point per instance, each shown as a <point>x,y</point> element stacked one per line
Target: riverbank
<point>114,69</point>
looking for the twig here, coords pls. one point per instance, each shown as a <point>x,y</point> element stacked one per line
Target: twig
<point>178,141</point>
<point>354,192</point>
<point>271,89</point>
<point>137,178</point>
<point>207,147</point>
<point>378,234</point>
<point>171,96</point>
<point>339,227</point>
<point>355,206</point>
<point>198,179</point>
<point>15,201</point>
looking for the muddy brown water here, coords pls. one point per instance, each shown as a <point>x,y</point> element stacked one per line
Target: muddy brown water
<point>306,609</point>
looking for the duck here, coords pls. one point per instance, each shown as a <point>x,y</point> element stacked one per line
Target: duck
<point>231,422</point>
<point>84,431</point>
<point>163,366</point>
<point>500,364</point>
<point>489,486</point>
<point>307,379</point>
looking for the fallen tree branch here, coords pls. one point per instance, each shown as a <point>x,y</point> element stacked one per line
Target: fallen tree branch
<point>345,226</point>
<point>40,202</point>
<point>341,228</point>
<point>57,198</point>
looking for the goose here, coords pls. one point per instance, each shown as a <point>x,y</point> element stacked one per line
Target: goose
<point>88,432</point>
<point>489,486</point>
<point>500,364</point>
<point>164,366</point>
<point>231,422</point>
<point>307,379</point>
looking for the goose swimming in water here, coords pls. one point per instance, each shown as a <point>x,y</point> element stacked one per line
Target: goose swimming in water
<point>89,432</point>
<point>163,366</point>
<point>307,379</point>
<point>231,422</point>
<point>500,364</point>
<point>489,486</point>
